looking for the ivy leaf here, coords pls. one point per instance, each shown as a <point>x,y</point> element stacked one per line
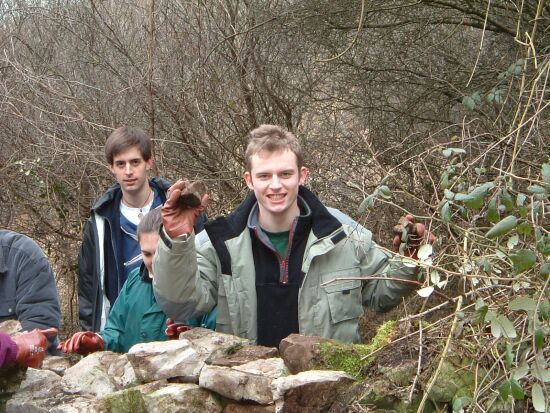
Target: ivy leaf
<point>449,194</point>
<point>537,189</point>
<point>446,213</point>
<point>523,260</point>
<point>384,192</point>
<point>444,181</point>
<point>425,292</point>
<point>453,151</point>
<point>424,252</point>
<point>492,212</point>
<point>474,199</point>
<point>521,371</point>
<point>545,270</point>
<point>537,395</point>
<point>506,200</point>
<point>469,102</point>
<point>512,241</point>
<point>525,228</point>
<point>522,303</point>
<point>546,173</point>
<point>539,339</point>
<point>508,356</point>
<point>367,203</point>
<point>503,227</point>
<point>501,326</point>
<point>504,390</point>
<point>517,391</point>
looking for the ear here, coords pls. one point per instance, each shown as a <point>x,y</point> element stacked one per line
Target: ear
<point>248,180</point>
<point>149,163</point>
<point>112,168</point>
<point>304,172</point>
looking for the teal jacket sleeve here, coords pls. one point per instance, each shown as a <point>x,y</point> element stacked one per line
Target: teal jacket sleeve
<point>115,326</point>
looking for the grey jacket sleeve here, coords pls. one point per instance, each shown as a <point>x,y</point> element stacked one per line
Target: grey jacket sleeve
<point>381,295</point>
<point>185,275</point>
<point>37,301</point>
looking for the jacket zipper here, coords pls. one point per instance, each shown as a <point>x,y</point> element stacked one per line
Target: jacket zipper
<point>283,263</point>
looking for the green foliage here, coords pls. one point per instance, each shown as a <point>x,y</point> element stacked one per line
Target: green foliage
<point>350,358</point>
<point>523,260</point>
<point>503,227</point>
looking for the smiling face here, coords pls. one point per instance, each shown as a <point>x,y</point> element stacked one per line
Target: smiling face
<point>275,178</point>
<point>130,170</point>
<point>148,244</point>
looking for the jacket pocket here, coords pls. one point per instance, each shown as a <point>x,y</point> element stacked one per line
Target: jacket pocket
<point>344,296</point>
<point>223,317</point>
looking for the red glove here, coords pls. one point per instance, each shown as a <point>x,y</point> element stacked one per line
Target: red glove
<point>31,346</point>
<point>173,329</point>
<point>416,236</point>
<point>183,205</point>
<point>83,342</point>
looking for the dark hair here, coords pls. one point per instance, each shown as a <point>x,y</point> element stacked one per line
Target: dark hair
<point>126,137</point>
<point>150,223</point>
<point>272,138</point>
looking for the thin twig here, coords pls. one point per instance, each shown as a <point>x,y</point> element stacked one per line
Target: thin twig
<point>443,354</point>
<point>419,367</point>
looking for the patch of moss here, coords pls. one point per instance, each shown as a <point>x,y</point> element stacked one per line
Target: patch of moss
<point>350,357</point>
<point>125,401</point>
<point>234,348</point>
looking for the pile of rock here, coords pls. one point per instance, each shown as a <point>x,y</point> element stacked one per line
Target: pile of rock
<point>203,371</point>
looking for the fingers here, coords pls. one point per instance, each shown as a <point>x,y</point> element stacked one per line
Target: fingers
<point>169,322</point>
<point>70,345</point>
<point>204,203</point>
<point>396,242</point>
<point>49,332</point>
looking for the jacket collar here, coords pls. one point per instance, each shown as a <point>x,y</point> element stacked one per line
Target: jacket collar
<point>230,226</point>
<point>144,274</point>
<point>109,202</point>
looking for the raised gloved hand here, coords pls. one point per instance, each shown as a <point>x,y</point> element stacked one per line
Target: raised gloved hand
<point>174,329</point>
<point>83,342</point>
<point>183,205</point>
<point>409,236</point>
<point>31,346</point>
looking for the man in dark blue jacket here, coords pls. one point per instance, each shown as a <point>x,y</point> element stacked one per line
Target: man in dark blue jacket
<point>27,285</point>
<point>110,250</point>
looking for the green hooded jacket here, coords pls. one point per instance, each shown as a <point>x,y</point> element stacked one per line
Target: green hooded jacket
<point>137,318</point>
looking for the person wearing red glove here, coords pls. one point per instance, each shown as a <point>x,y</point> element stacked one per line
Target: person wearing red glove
<point>281,262</point>
<point>135,316</point>
<point>28,291</point>
<point>25,349</point>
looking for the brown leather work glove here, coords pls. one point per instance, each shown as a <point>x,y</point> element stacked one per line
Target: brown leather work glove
<point>83,342</point>
<point>31,346</point>
<point>409,236</point>
<point>183,205</point>
<point>173,329</point>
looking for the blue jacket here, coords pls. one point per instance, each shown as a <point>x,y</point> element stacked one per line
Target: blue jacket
<point>101,248</point>
<point>136,317</point>
<point>27,284</point>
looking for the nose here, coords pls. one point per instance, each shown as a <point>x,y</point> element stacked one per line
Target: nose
<point>127,168</point>
<point>275,182</point>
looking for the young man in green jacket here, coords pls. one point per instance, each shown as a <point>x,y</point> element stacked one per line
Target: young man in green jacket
<point>135,316</point>
<point>282,262</point>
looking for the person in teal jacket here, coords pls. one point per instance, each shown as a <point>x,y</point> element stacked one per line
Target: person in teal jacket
<point>135,316</point>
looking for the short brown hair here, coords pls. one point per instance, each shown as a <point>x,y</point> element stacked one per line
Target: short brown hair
<point>126,137</point>
<point>150,222</point>
<point>272,138</point>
